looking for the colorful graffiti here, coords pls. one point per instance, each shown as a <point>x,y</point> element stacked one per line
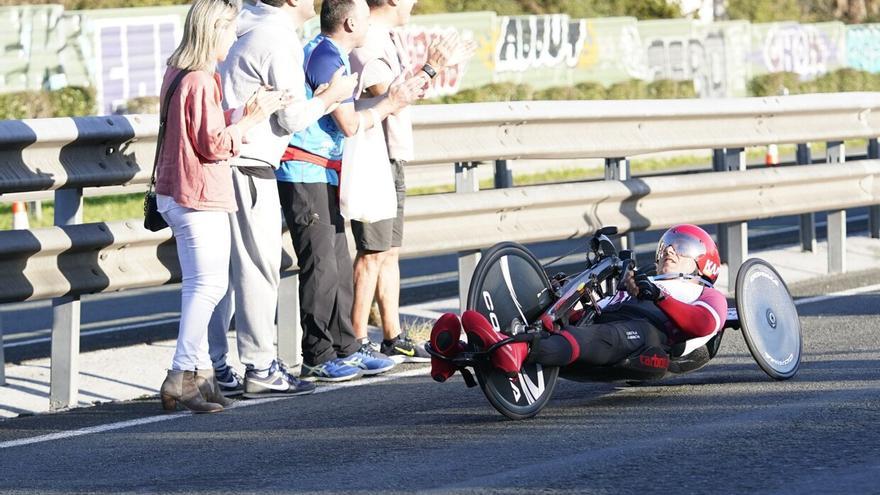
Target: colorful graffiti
<point>417,40</point>
<point>695,58</point>
<point>535,42</point>
<point>863,47</point>
<point>807,50</point>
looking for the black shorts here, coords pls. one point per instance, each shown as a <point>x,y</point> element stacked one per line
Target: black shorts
<point>384,234</point>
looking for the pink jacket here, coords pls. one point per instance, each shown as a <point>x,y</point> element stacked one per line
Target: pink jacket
<point>193,166</point>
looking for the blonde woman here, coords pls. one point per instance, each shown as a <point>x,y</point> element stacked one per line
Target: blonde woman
<point>194,189</point>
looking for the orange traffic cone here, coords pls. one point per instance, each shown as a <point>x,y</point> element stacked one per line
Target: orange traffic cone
<point>771,159</point>
<point>19,216</point>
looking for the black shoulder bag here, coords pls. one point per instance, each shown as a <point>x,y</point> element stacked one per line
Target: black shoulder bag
<point>153,220</point>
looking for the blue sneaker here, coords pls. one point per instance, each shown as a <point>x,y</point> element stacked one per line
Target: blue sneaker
<point>333,370</point>
<point>370,361</point>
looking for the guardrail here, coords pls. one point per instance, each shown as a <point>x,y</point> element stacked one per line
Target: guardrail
<point>66,155</point>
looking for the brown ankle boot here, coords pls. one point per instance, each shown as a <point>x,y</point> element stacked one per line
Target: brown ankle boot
<point>211,389</point>
<point>180,387</point>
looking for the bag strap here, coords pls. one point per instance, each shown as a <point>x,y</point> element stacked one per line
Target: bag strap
<point>163,117</point>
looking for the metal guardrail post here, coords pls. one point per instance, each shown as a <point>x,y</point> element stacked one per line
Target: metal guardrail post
<point>719,165</point>
<point>503,175</point>
<point>64,375</point>
<point>619,169</point>
<point>289,338</point>
<point>736,237</point>
<point>807,220</point>
<point>874,211</point>
<point>466,181</point>
<point>836,153</point>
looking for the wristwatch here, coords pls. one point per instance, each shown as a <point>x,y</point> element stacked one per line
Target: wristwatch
<point>429,71</point>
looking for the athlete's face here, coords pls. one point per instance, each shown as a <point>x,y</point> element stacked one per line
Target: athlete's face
<point>672,262</point>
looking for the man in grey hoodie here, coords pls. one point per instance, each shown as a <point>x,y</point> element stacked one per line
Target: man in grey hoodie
<point>268,52</point>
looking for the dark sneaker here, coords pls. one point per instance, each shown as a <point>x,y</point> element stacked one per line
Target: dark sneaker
<point>230,382</point>
<point>278,382</point>
<point>333,370</point>
<point>369,361</point>
<point>404,350</point>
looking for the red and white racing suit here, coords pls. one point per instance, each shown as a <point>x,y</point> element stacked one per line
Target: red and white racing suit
<point>629,327</point>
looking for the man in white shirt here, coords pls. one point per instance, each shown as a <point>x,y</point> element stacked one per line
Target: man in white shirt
<point>268,52</point>
<point>381,60</point>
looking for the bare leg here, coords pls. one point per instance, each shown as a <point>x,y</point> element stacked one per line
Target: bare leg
<point>367,265</point>
<point>388,293</point>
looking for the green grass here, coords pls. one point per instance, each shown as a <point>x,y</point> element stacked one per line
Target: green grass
<point>98,209</point>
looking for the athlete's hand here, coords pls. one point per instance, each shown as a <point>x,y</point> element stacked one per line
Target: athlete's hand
<point>647,290</point>
<point>629,283</point>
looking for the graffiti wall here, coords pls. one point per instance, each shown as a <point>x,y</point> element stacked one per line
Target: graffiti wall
<point>809,50</point>
<point>863,47</point>
<point>704,53</point>
<point>122,52</point>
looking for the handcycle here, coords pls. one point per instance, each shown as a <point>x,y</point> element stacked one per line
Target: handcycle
<point>513,291</point>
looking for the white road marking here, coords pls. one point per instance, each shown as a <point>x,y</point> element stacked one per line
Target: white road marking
<point>835,295</point>
<point>120,328</point>
<point>421,371</point>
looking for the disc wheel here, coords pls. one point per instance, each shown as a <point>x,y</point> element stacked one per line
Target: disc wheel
<point>510,288</point>
<point>769,319</point>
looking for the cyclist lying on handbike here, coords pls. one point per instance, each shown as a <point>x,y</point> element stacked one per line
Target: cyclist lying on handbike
<point>642,326</point>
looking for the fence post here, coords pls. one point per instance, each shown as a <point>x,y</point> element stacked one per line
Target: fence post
<point>466,181</point>
<point>64,374</point>
<point>503,175</point>
<point>836,153</point>
<point>736,237</point>
<point>289,336</point>
<point>619,169</point>
<point>719,165</point>
<point>807,220</point>
<point>874,210</point>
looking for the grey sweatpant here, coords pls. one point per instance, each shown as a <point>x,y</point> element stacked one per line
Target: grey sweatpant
<point>254,275</point>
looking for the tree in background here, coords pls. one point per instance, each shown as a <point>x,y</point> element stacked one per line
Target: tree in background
<point>849,11</point>
<point>642,9</point>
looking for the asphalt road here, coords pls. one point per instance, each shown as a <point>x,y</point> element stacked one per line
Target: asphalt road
<point>724,429</point>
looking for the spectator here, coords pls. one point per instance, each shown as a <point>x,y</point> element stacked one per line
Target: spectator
<point>257,59</point>
<point>194,190</point>
<point>382,59</point>
<point>308,186</point>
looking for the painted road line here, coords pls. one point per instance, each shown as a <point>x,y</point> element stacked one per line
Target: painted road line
<point>120,328</point>
<point>420,371</point>
<point>835,295</point>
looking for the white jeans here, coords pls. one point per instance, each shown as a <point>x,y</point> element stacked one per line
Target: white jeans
<point>203,244</point>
